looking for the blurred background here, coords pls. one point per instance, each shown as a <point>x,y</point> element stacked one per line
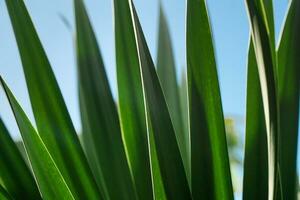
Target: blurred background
<point>54,22</point>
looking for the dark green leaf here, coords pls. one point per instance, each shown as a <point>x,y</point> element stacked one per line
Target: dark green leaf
<point>268,10</point>
<point>131,102</point>
<point>168,154</point>
<point>183,93</point>
<point>14,173</point>
<point>255,184</point>
<point>267,75</point>
<point>52,118</point>
<point>289,86</point>
<point>158,185</point>
<point>166,72</point>
<point>99,114</point>
<point>209,155</point>
<point>49,179</point>
<point>4,194</point>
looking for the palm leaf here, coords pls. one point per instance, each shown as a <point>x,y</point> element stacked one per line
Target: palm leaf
<point>267,75</point>
<point>255,184</point>
<point>158,185</point>
<point>14,173</point>
<point>166,72</point>
<point>4,194</point>
<point>48,177</point>
<point>168,154</point>
<point>131,102</point>
<point>51,115</point>
<point>210,168</point>
<point>99,114</point>
<point>288,56</point>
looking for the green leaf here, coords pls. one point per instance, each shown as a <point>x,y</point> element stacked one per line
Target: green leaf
<point>209,155</point>
<point>255,183</point>
<point>166,72</point>
<point>267,75</point>
<point>100,117</point>
<point>4,194</point>
<point>14,173</point>
<point>48,177</point>
<point>52,118</point>
<point>21,148</point>
<point>168,154</point>
<point>268,16</point>
<point>131,102</point>
<point>183,93</point>
<point>288,57</point>
<point>158,185</point>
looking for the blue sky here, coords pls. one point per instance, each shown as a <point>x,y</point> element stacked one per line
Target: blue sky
<point>230,30</point>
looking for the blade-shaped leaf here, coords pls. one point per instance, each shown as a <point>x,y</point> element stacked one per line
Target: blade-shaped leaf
<point>14,173</point>
<point>268,16</point>
<point>100,114</point>
<point>4,194</point>
<point>255,183</point>
<point>288,57</point>
<point>49,179</point>
<point>210,168</point>
<point>168,154</point>
<point>183,93</point>
<point>158,185</point>
<point>263,51</point>
<point>52,118</point>
<point>166,72</point>
<point>131,102</point>
<point>21,148</point>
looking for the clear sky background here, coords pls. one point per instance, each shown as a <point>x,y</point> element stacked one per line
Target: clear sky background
<point>230,29</point>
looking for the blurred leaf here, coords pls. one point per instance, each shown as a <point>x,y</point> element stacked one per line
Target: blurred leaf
<point>65,22</point>
<point>52,118</point>
<point>99,114</point>
<point>183,93</point>
<point>255,184</point>
<point>263,51</point>
<point>166,72</point>
<point>289,87</point>
<point>210,170</point>
<point>168,154</point>
<point>131,102</point>
<point>49,179</point>
<point>14,173</point>
<point>231,135</point>
<point>4,194</point>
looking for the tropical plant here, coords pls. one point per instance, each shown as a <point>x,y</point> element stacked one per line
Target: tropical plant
<point>161,140</point>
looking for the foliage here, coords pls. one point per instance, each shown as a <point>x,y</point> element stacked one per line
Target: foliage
<point>164,139</point>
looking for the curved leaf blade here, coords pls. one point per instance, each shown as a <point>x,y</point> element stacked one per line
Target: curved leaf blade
<point>166,72</point>
<point>4,194</point>
<point>255,183</point>
<point>267,75</point>
<point>210,170</point>
<point>14,173</point>
<point>131,102</point>
<point>49,179</point>
<point>288,56</point>
<point>268,16</point>
<point>52,118</point>
<point>183,93</point>
<point>100,113</point>
<point>168,154</point>
<point>158,185</point>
